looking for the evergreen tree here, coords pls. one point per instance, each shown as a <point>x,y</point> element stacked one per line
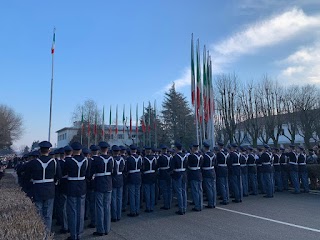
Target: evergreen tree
<point>178,118</point>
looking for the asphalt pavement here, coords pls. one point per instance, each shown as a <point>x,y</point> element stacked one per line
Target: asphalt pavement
<point>286,216</point>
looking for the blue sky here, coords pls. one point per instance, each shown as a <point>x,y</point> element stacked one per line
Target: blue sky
<point>129,52</point>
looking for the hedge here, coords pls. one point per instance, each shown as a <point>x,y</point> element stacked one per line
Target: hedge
<point>18,216</point>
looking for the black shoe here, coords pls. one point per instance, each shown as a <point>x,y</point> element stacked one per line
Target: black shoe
<point>246,195</point>
<point>124,210</point>
<point>98,234</point>
<point>266,196</point>
<point>224,203</point>
<point>137,214</point>
<point>236,201</point>
<point>179,213</point>
<point>254,194</point>
<point>131,215</point>
<point>69,238</point>
<point>113,220</point>
<point>209,206</point>
<point>91,225</point>
<point>105,233</point>
<point>195,210</point>
<point>147,211</point>
<point>63,231</point>
<point>164,208</point>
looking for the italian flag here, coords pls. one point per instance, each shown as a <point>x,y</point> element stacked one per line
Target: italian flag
<point>193,90</point>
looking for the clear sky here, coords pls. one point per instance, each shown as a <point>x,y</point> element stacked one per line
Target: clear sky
<point>128,52</point>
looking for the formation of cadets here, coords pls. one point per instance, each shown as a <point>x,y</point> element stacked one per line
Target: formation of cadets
<point>75,183</point>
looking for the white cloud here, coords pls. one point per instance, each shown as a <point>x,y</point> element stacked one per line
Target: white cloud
<point>182,81</point>
<point>270,32</point>
<point>302,66</point>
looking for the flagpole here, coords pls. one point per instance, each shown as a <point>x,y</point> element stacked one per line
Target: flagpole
<point>51,90</point>
<point>155,125</point>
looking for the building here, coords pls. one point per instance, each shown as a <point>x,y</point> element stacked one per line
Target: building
<point>123,137</point>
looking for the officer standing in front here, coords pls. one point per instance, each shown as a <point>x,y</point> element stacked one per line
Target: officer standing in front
<point>252,172</point>
<point>222,174</point>
<point>44,172</point>
<point>294,169</point>
<point>77,168</point>
<point>133,168</point>
<point>209,175</point>
<point>236,180</point>
<point>102,168</point>
<point>266,160</point>
<point>179,176</point>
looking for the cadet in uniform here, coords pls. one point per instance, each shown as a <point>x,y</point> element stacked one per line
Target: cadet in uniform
<point>102,168</point>
<point>266,160</point>
<point>91,186</point>
<point>165,181</point>
<point>77,169</point>
<point>294,169</point>
<point>244,171</point>
<point>117,184</point>
<point>194,163</point>
<point>261,184</point>
<point>134,165</point>
<point>179,164</point>
<point>277,170</point>
<point>234,162</point>
<point>303,172</point>
<point>222,174</point>
<point>123,154</point>
<point>209,175</point>
<point>44,172</point>
<point>284,168</point>
<point>252,172</point>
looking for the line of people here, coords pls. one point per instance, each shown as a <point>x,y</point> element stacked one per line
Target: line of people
<point>75,182</point>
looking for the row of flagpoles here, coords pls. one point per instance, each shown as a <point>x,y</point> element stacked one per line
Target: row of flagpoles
<point>202,97</point>
<point>91,120</point>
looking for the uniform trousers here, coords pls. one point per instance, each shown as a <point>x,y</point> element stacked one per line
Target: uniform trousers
<point>134,198</point>
<point>103,216</point>
<point>166,190</point>
<point>211,190</point>
<point>45,209</point>
<point>75,212</point>
<point>180,187</point>
<point>116,203</point>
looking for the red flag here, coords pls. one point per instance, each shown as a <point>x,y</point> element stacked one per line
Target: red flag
<point>198,89</point>
<point>192,73</point>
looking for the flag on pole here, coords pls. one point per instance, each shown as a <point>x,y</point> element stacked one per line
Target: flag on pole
<point>198,88</point>
<point>89,125</point>
<point>130,121</point>
<point>143,122</point>
<point>123,118</point>
<point>117,120</point>
<point>103,124</point>
<point>193,88</point>
<point>95,125</point>
<point>110,131</point>
<point>205,87</point>
<point>53,41</point>
<point>137,122</point>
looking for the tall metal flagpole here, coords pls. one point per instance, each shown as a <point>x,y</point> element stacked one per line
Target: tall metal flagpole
<point>52,65</point>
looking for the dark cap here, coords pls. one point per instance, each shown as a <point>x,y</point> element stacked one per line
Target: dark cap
<point>45,144</point>
<point>61,150</point>
<point>34,154</point>
<point>234,145</point>
<point>51,153</point>
<point>103,144</point>
<point>133,147</point>
<point>67,148</point>
<point>250,148</point>
<point>85,150</point>
<point>76,146</point>
<point>242,148</point>
<point>94,147</point>
<point>178,145</point>
<point>206,145</point>
<point>216,149</point>
<point>162,146</point>
<point>301,148</point>
<point>122,148</point>
<point>220,144</point>
<point>292,146</point>
<point>282,148</point>
<point>266,146</point>
<point>195,145</point>
<point>56,151</point>
<point>115,148</point>
<point>311,150</point>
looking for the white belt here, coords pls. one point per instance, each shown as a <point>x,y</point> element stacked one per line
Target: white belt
<point>179,170</point>
<point>276,164</point>
<point>42,181</point>
<point>235,164</point>
<point>302,163</point>
<point>243,165</point>
<point>66,176</point>
<point>103,174</point>
<point>251,165</point>
<point>76,178</point>
<point>283,163</point>
<point>259,165</point>
<point>294,163</point>
<point>119,173</point>
<point>194,168</point>
<point>222,165</point>
<point>164,168</point>
<point>149,171</point>
<point>134,171</point>
<point>266,163</point>
<point>208,168</point>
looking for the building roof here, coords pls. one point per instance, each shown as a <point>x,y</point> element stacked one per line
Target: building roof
<point>67,128</point>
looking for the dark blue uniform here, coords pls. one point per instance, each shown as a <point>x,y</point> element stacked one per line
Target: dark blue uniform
<point>149,179</point>
<point>266,160</point>
<point>222,176</point>
<point>102,168</point>
<point>244,173</point>
<point>179,176</point>
<point>236,180</point>
<point>165,181</point>
<point>285,170</point>
<point>252,174</point>
<point>209,177</point>
<point>133,168</point>
<point>294,170</point>
<point>277,173</point>
<point>195,177</point>
<point>117,188</point>
<point>303,172</point>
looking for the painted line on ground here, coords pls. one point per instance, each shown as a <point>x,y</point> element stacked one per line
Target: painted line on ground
<point>266,219</point>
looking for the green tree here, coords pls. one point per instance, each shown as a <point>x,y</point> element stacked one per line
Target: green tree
<point>178,119</point>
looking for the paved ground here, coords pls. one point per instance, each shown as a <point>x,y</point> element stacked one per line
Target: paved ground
<point>287,216</point>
